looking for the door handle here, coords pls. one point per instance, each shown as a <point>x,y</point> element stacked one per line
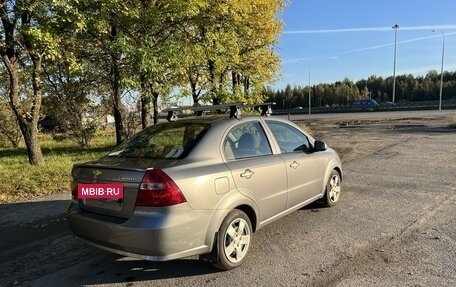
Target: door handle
<point>294,165</point>
<point>247,174</point>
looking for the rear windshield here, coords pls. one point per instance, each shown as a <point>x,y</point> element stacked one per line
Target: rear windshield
<point>164,141</point>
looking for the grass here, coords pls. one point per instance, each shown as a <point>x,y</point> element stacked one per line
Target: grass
<point>20,180</point>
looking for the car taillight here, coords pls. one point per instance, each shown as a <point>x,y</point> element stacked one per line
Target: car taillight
<point>158,189</point>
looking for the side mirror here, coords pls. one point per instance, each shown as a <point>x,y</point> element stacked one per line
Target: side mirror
<point>320,146</point>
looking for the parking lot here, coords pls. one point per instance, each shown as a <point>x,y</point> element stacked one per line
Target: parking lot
<point>394,225</point>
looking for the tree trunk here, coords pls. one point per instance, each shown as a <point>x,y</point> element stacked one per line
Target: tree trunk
<point>236,79</point>
<point>145,103</point>
<point>195,93</point>
<point>246,85</point>
<point>117,113</point>
<point>30,133</point>
<point>144,111</point>
<point>155,106</point>
<point>116,87</point>
<point>28,121</point>
<point>213,84</point>
<point>33,146</point>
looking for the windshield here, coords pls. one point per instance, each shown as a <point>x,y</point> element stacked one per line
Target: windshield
<point>163,141</point>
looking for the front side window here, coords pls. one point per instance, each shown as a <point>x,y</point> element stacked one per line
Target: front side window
<point>289,138</point>
<point>164,141</point>
<point>246,140</point>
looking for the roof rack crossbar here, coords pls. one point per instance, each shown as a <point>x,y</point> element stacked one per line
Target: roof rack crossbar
<point>235,109</point>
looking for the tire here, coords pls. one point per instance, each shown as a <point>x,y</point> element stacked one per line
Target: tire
<point>233,240</point>
<point>333,189</point>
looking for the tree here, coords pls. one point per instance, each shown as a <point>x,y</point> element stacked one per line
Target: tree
<point>153,49</point>
<point>30,34</point>
<point>72,102</point>
<point>257,28</point>
<point>74,87</point>
<point>229,50</point>
<point>103,30</point>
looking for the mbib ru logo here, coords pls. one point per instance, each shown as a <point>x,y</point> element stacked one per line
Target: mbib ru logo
<point>100,191</point>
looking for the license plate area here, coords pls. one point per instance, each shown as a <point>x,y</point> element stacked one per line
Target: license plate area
<point>105,204</point>
<point>105,196</point>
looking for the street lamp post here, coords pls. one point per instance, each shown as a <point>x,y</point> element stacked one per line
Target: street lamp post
<point>441,68</point>
<point>395,27</point>
<point>310,103</point>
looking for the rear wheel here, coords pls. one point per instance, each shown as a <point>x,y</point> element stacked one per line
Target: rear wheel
<point>332,194</point>
<point>233,240</point>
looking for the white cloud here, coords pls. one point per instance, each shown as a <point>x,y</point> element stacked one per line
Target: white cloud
<point>398,43</point>
<point>369,29</point>
<point>296,60</point>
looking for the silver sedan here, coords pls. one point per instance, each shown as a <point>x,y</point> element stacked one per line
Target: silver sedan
<point>201,186</point>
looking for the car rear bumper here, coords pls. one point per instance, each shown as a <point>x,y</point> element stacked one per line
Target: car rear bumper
<point>156,234</point>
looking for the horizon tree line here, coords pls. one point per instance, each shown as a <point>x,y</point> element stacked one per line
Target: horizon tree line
<point>408,88</point>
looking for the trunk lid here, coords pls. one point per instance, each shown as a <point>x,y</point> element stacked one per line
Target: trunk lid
<point>126,171</point>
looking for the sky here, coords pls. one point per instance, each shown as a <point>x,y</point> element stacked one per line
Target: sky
<point>354,39</point>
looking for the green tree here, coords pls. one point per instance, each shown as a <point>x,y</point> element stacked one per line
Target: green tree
<point>105,23</point>
<point>74,88</point>
<point>229,50</point>
<point>30,35</point>
<point>153,49</point>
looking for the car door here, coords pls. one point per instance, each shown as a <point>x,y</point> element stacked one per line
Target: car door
<point>305,169</point>
<point>257,173</point>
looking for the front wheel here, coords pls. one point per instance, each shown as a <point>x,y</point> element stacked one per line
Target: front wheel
<point>332,193</point>
<point>233,240</point>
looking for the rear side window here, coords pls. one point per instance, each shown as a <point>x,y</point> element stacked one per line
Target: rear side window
<point>246,140</point>
<point>164,141</point>
<point>288,137</point>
